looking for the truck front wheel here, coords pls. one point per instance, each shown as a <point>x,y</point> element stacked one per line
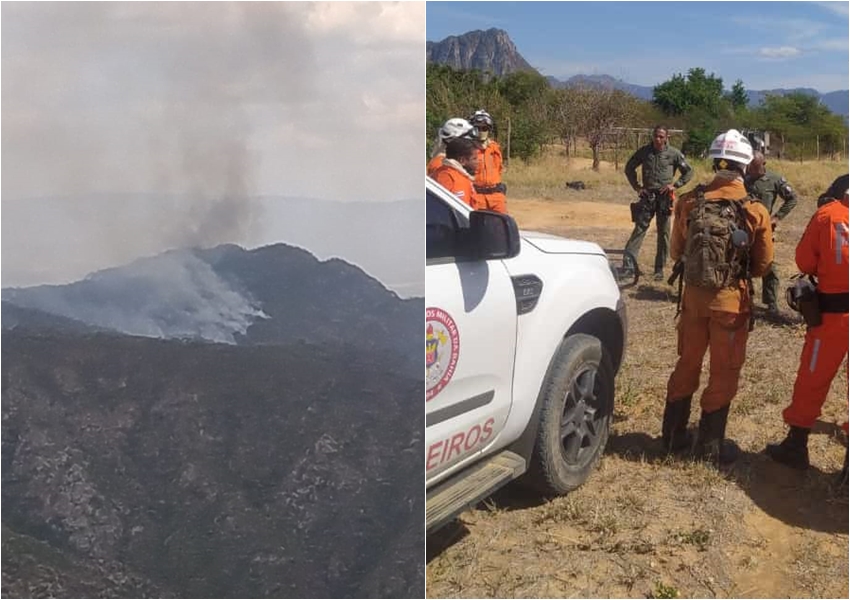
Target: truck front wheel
<point>578,400</point>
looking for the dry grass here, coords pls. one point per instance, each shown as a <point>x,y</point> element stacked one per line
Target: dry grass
<point>544,178</point>
<point>645,525</point>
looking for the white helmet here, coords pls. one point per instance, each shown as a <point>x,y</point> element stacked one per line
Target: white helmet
<point>482,117</point>
<point>456,128</point>
<point>731,146</point>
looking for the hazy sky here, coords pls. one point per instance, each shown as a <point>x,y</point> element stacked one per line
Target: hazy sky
<point>204,106</point>
<point>767,45</point>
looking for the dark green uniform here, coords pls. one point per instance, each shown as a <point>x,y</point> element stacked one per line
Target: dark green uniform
<point>658,168</point>
<point>766,190</point>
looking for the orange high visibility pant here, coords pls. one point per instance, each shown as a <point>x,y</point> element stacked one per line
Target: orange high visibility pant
<point>496,202</point>
<point>823,352</point>
<point>724,335</point>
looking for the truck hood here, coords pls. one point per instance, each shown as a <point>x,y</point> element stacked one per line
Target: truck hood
<point>553,244</point>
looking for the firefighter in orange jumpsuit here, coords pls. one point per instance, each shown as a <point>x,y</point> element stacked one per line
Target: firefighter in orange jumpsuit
<point>457,172</point>
<point>451,129</point>
<point>822,252</point>
<point>488,179</point>
<point>716,320</point>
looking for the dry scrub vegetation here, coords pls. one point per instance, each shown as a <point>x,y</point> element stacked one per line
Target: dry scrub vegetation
<point>645,525</point>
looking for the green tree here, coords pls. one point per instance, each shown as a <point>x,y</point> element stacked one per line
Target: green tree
<point>522,88</point>
<point>452,93</point>
<point>737,97</point>
<point>800,122</point>
<point>518,99</point>
<point>699,100</point>
<point>527,94</point>
<point>680,95</point>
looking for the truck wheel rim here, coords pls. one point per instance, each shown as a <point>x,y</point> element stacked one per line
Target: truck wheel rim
<point>579,426</point>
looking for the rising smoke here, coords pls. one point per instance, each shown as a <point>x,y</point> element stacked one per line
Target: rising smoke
<point>174,295</point>
<point>128,127</point>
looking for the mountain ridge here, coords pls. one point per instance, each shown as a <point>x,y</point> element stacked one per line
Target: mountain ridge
<point>69,236</point>
<point>502,54</point>
<point>274,294</point>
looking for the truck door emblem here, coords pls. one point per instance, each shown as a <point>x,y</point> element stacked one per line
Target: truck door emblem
<point>442,348</point>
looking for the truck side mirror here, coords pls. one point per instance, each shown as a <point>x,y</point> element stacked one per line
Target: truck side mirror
<point>492,235</point>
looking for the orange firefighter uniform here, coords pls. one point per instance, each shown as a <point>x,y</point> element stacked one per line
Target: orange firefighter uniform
<point>822,251</point>
<point>489,177</point>
<point>716,320</point>
<point>435,163</point>
<point>452,176</point>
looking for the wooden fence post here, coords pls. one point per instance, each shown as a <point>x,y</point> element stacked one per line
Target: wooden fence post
<point>508,147</point>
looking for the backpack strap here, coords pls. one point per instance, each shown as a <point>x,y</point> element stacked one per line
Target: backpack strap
<point>740,206</point>
<point>679,267</point>
<point>700,194</point>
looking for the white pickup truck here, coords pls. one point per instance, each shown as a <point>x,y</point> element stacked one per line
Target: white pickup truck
<point>524,334</point>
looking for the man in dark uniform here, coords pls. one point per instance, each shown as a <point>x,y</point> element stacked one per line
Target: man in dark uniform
<point>658,163</point>
<point>766,186</point>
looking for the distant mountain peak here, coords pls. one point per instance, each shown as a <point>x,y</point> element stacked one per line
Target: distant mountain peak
<point>493,50</point>
<point>269,295</point>
<point>485,50</point>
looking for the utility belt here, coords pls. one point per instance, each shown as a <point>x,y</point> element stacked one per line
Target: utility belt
<point>499,188</point>
<point>813,305</point>
<point>833,303</point>
<point>653,203</point>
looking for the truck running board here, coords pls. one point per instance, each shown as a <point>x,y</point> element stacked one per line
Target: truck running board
<point>470,487</point>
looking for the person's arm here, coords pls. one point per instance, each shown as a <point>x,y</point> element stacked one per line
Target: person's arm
<point>687,172</point>
<point>807,252</point>
<point>761,251</point>
<point>631,169</point>
<point>789,198</point>
<point>680,225</point>
<point>499,163</point>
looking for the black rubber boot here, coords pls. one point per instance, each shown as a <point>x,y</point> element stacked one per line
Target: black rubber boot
<point>793,451</point>
<point>674,426</point>
<point>712,444</point>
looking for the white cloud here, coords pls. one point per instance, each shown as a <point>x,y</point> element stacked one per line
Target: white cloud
<point>838,8</point>
<point>779,52</point>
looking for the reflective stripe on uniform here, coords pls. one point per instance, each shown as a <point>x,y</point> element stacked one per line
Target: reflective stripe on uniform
<point>840,240</point>
<point>814,361</point>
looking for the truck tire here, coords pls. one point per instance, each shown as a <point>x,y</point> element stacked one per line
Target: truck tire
<point>577,403</point>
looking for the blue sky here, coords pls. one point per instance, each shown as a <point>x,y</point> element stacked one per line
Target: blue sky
<point>765,44</point>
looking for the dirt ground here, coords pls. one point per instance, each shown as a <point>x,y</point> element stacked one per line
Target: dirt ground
<point>649,526</point>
